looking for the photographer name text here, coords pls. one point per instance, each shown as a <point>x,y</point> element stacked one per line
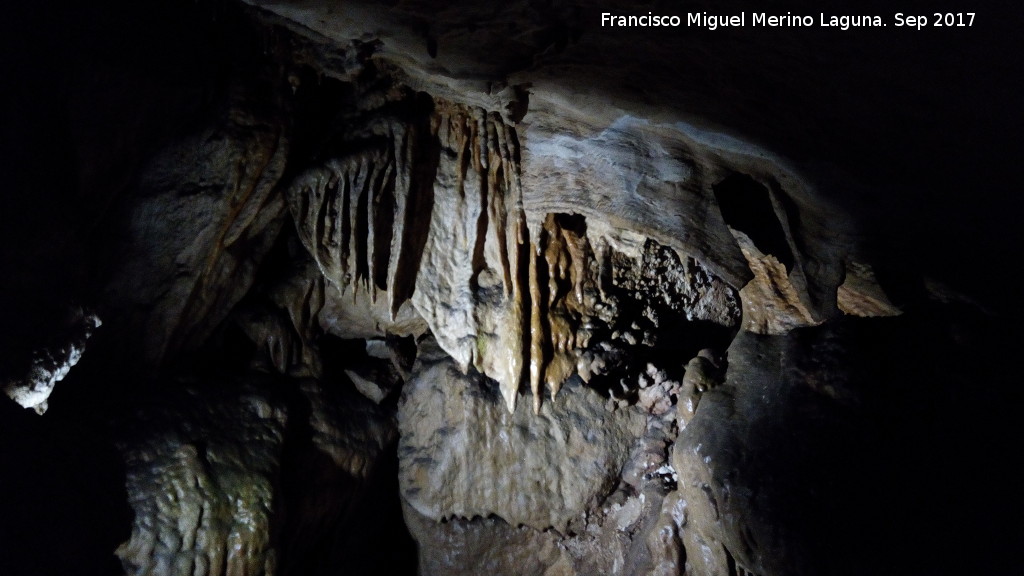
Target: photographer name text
<point>788,20</point>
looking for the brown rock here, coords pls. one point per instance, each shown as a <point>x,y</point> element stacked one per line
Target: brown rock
<point>459,447</point>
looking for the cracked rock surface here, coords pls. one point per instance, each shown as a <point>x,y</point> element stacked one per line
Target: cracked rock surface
<point>455,431</point>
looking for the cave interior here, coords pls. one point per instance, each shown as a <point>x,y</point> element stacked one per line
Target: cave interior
<point>419,287</point>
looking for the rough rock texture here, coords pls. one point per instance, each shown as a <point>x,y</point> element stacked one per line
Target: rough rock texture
<point>352,216</point>
<point>798,448</point>
<point>50,365</point>
<point>732,521</point>
<point>354,435</point>
<point>636,176</point>
<point>860,294</point>
<point>485,545</point>
<point>771,304</point>
<point>279,322</point>
<point>681,285</point>
<point>515,295</point>
<point>473,283</point>
<point>244,479</point>
<point>754,285</point>
<point>203,216</point>
<point>201,480</point>
<point>457,439</point>
<point>515,526</point>
<point>364,218</point>
<point>629,535</point>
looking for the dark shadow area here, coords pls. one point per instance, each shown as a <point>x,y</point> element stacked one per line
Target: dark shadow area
<point>747,206</point>
<point>942,403</point>
<point>330,522</point>
<point>366,535</point>
<point>882,446</point>
<point>910,468</point>
<point>63,505</point>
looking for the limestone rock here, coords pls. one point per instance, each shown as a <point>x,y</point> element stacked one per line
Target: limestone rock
<point>860,294</point>
<point>425,227</point>
<point>680,285</point>
<point>201,478</point>
<point>462,454</point>
<point>701,375</point>
<point>205,475</point>
<point>50,365</point>
<point>204,216</point>
<point>771,302</point>
<point>353,434</point>
<point>798,507</point>
<point>624,538</point>
<point>279,323</point>
<point>461,547</point>
<point>546,199</point>
<point>357,217</point>
<point>624,174</point>
<point>664,543</point>
<point>635,533</point>
<point>510,296</point>
<point>472,288</point>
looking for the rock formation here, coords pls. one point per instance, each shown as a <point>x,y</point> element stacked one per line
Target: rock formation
<point>443,288</point>
<point>50,365</point>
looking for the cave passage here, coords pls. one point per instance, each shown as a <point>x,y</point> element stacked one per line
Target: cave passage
<point>746,205</point>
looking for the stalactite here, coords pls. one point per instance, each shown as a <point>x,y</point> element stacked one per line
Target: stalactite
<point>536,330</point>
<point>403,257</point>
<point>473,286</point>
<point>431,212</point>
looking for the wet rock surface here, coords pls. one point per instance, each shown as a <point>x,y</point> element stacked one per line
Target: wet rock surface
<point>201,482</point>
<point>625,528</point>
<point>457,438</point>
<point>250,477</point>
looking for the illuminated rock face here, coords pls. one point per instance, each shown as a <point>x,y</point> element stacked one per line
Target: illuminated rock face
<point>443,299</point>
<point>207,482</point>
<point>51,364</point>
<point>458,441</point>
<point>200,481</point>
